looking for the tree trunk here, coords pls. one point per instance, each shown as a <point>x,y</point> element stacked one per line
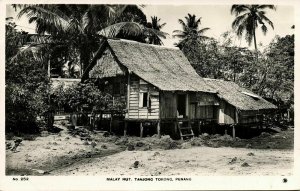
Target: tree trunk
<point>254,37</point>
<point>84,58</point>
<point>102,48</point>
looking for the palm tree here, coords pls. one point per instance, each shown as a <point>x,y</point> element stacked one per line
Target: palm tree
<point>155,24</point>
<point>248,18</point>
<point>77,26</point>
<point>190,30</point>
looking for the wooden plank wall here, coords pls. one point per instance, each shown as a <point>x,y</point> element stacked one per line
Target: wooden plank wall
<point>249,117</point>
<point>119,90</point>
<point>134,110</point>
<point>202,106</point>
<point>168,105</point>
<point>229,117</point>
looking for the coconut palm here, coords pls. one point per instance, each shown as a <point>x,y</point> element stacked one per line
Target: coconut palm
<point>191,31</point>
<point>77,26</point>
<point>248,18</point>
<point>155,24</point>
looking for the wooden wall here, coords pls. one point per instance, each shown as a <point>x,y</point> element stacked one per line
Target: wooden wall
<point>168,105</point>
<point>119,90</point>
<point>246,117</point>
<point>227,113</point>
<point>135,110</point>
<point>203,106</point>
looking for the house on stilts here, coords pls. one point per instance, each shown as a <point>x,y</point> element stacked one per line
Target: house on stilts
<point>160,88</point>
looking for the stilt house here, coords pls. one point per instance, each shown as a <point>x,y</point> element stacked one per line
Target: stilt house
<point>158,85</point>
<point>238,105</point>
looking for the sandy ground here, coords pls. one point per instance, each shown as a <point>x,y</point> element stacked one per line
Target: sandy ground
<point>199,161</point>
<point>64,154</point>
<point>52,151</point>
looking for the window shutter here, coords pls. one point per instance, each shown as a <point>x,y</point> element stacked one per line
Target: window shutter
<point>141,96</point>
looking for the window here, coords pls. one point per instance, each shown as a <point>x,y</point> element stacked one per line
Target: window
<point>116,88</point>
<point>144,100</point>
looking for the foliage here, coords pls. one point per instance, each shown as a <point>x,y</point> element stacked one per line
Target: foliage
<point>84,97</point>
<point>278,72</point>
<point>248,17</point>
<point>190,31</point>
<point>155,24</point>
<point>26,85</point>
<point>269,73</point>
<point>76,27</point>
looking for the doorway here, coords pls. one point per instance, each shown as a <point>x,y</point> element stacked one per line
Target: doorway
<point>181,104</point>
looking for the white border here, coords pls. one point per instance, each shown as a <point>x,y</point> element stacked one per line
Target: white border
<point>100,183</point>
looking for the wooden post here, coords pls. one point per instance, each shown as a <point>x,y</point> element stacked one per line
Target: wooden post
<point>175,127</point>
<point>125,128</point>
<point>158,129</point>
<point>199,127</point>
<point>141,129</point>
<point>233,131</point>
<point>128,91</point>
<point>111,121</point>
<point>187,106</point>
<point>100,120</point>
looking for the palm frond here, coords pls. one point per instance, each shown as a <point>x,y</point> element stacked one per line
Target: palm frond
<point>38,46</point>
<point>239,20</point>
<point>264,29</point>
<point>238,9</point>
<point>201,31</point>
<point>264,18</point>
<point>260,7</point>
<point>46,15</point>
<point>130,28</point>
<point>180,21</point>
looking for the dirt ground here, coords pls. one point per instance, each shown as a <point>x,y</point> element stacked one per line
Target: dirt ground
<point>81,152</point>
<point>199,161</point>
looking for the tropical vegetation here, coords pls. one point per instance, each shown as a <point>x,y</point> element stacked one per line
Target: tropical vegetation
<point>249,18</point>
<point>190,31</point>
<point>70,36</point>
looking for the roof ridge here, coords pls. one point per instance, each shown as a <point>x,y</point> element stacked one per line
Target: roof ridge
<point>213,79</point>
<point>145,44</point>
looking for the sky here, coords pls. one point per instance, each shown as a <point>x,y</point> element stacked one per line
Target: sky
<point>215,17</point>
<point>219,19</point>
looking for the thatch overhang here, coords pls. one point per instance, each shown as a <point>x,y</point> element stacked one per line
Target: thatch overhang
<point>164,67</point>
<point>107,67</point>
<point>63,83</point>
<point>239,97</point>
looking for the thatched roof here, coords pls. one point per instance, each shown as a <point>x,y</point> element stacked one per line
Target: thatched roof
<point>237,96</point>
<point>166,68</point>
<point>63,82</point>
<point>106,67</point>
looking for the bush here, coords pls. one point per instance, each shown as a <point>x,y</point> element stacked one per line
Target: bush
<point>82,97</point>
<point>25,96</point>
<point>25,84</point>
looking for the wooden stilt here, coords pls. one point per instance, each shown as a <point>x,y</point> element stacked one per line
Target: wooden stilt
<point>233,131</point>
<point>199,127</point>
<point>111,121</point>
<point>141,129</point>
<point>100,121</point>
<point>158,129</point>
<point>125,128</point>
<point>175,127</point>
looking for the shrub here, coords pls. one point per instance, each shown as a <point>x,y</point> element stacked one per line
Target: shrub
<point>25,84</point>
<point>25,96</point>
<point>81,97</point>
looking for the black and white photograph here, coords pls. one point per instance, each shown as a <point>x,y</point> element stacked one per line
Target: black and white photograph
<point>144,92</point>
